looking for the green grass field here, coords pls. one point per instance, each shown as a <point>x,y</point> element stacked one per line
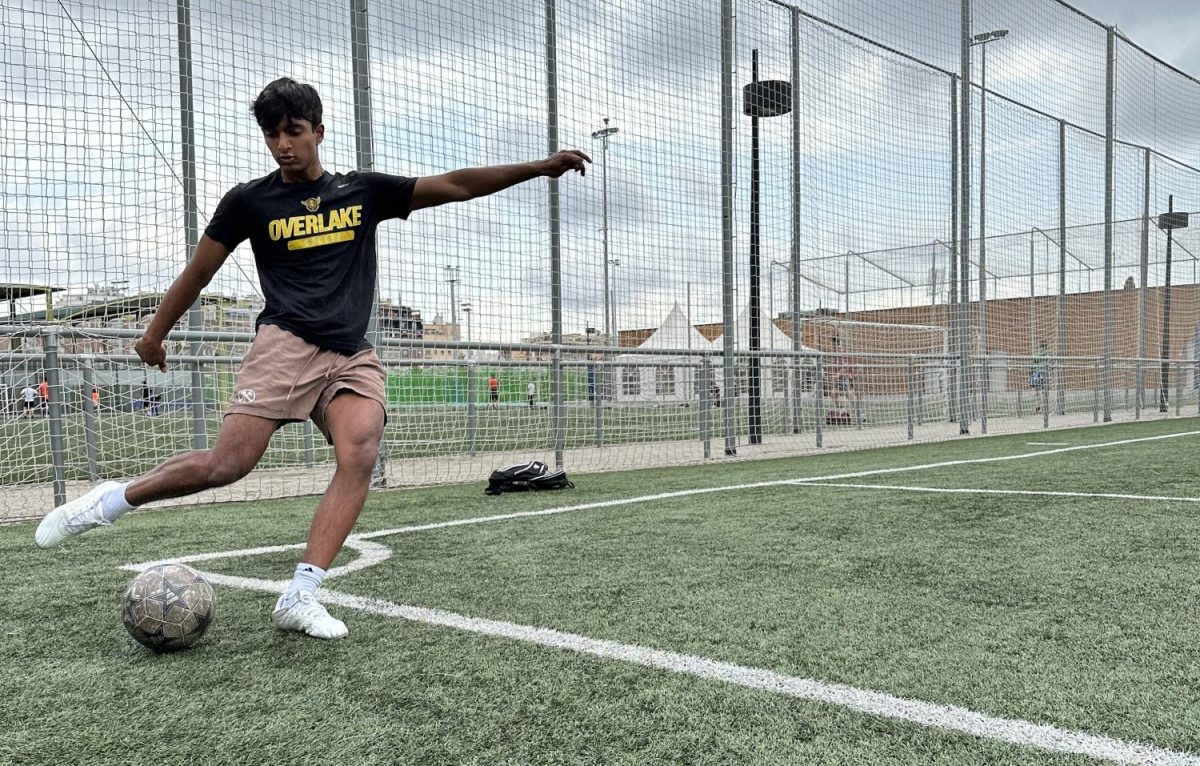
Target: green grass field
<point>1072,611</point>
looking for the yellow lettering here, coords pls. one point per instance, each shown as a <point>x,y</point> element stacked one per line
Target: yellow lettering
<point>319,224</point>
<point>321,239</point>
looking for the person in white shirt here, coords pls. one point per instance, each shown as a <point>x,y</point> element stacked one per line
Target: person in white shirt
<point>29,396</point>
<point>531,390</point>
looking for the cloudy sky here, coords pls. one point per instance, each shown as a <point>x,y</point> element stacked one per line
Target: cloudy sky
<point>1170,29</point>
<point>90,155</point>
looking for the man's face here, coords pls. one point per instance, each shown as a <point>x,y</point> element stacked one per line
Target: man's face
<point>293,144</point>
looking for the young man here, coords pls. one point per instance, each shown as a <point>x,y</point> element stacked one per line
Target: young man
<point>313,237</point>
<point>531,392</point>
<point>1039,373</point>
<point>29,400</point>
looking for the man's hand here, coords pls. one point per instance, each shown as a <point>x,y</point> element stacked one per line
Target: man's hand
<point>154,354</point>
<point>560,162</point>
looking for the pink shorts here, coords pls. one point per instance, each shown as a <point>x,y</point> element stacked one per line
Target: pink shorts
<point>286,378</point>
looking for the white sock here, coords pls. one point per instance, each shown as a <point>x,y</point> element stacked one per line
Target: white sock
<point>308,577</point>
<point>113,504</point>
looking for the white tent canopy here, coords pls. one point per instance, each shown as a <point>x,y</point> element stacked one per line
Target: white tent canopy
<point>669,378</point>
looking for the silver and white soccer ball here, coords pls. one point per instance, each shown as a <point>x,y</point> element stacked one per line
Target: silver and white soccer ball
<point>168,607</point>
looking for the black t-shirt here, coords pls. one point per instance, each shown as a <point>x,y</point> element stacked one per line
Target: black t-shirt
<point>314,245</point>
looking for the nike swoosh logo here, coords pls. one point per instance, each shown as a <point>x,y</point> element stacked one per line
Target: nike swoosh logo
<point>341,186</point>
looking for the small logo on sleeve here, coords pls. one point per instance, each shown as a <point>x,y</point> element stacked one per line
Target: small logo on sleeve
<point>244,396</point>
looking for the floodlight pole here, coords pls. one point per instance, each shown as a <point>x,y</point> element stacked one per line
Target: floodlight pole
<point>187,114</point>
<point>1170,222</point>
<point>754,389</point>
<point>466,309</point>
<point>453,280</point>
<point>769,98</point>
<point>982,39</point>
<point>602,135</point>
<point>964,217</point>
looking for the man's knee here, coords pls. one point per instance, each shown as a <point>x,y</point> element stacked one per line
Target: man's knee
<point>360,450</point>
<point>225,469</point>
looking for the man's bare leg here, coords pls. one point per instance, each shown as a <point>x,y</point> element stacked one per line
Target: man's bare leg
<point>240,445</point>
<point>356,425</point>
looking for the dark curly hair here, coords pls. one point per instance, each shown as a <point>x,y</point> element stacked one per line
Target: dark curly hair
<point>286,98</point>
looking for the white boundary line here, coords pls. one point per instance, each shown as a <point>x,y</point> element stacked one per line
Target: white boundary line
<point>972,491</point>
<point>944,717</point>
<point>754,485</point>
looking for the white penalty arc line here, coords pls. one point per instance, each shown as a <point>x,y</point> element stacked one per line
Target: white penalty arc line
<point>753,485</point>
<point>945,717</point>
<point>968,491</point>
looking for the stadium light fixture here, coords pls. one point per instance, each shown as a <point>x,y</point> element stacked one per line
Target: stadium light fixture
<point>453,280</point>
<point>982,39</point>
<point>987,37</point>
<point>760,98</point>
<point>603,135</point>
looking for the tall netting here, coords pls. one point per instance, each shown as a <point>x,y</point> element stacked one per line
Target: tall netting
<point>806,225</point>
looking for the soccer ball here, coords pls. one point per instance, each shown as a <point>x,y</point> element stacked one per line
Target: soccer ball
<point>168,607</point>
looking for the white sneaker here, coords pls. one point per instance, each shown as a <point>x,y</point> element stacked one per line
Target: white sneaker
<point>306,615</point>
<point>73,518</point>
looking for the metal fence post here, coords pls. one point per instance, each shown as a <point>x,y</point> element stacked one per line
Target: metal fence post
<point>922,376</point>
<point>58,452</point>
<point>472,409</point>
<point>1110,127</point>
<point>912,381</point>
<point>985,383</point>
<point>1046,403</point>
<point>90,424</point>
<point>1178,372</point>
<point>819,400</point>
<point>596,375</point>
<point>308,443</point>
<point>1096,392</point>
<point>704,391</point>
<point>1137,399</point>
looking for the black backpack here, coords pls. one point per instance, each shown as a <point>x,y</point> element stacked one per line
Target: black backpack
<point>534,475</point>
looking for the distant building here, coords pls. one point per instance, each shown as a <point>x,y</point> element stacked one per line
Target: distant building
<point>440,332</point>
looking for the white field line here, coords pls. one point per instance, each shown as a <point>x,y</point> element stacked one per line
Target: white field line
<point>754,485</point>
<point>1047,444</point>
<point>972,491</point>
<point>945,717</point>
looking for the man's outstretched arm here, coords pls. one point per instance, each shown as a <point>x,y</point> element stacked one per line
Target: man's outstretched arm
<point>206,259</point>
<point>469,183</point>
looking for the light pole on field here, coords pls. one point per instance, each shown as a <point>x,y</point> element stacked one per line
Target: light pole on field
<point>603,135</point>
<point>981,40</point>
<point>453,280</point>
<point>766,98</point>
<point>616,328</point>
<point>466,309</point>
